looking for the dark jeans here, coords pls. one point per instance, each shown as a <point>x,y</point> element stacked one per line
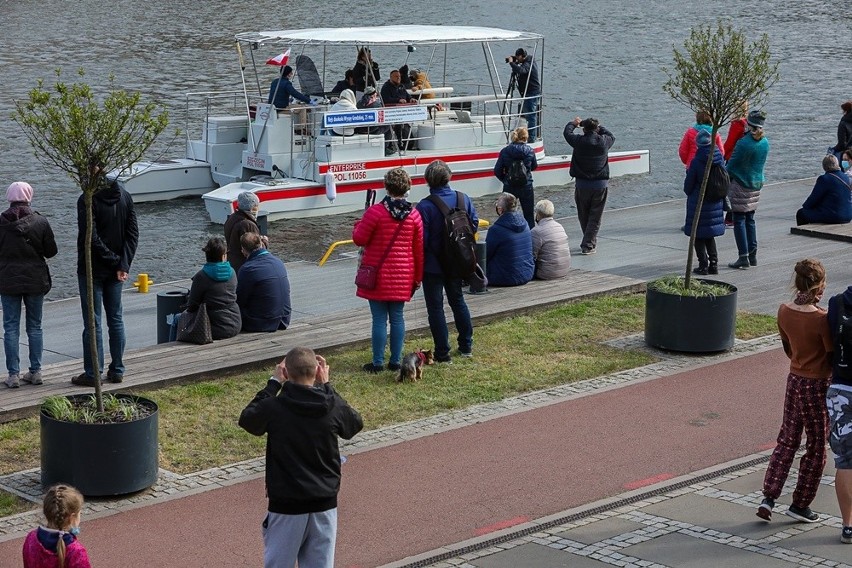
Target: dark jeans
<point>107,291</point>
<point>745,233</point>
<point>526,196</point>
<point>12,330</point>
<point>434,286</point>
<point>705,249</point>
<point>590,208</point>
<point>529,110</point>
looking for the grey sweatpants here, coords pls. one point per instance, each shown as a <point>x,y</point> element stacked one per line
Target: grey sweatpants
<point>308,538</point>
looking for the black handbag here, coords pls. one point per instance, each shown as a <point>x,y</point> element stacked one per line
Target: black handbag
<point>194,327</point>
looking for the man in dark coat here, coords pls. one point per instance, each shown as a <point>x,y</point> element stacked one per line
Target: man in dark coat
<point>282,89</point>
<point>525,73</point>
<point>302,417</point>
<point>263,289</point>
<point>115,235</point>
<point>590,170</point>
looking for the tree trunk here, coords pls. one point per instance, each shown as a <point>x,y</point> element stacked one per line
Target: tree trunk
<point>90,300</point>
<point>687,279</point>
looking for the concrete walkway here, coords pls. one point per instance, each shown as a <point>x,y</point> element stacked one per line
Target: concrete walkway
<point>658,466</point>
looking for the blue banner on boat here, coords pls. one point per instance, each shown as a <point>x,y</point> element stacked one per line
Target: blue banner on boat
<point>386,115</point>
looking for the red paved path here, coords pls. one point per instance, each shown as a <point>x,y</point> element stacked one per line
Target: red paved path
<point>441,489</point>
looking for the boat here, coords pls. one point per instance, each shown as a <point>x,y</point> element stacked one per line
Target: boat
<point>296,164</point>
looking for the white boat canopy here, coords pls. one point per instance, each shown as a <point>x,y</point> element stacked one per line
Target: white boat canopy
<point>386,35</point>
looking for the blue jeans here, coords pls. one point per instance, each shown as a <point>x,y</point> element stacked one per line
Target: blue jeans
<point>12,330</point>
<point>434,286</point>
<point>382,311</point>
<point>745,233</point>
<point>107,291</point>
<point>529,110</point>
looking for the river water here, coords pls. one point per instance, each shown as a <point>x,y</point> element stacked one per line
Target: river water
<point>603,58</point>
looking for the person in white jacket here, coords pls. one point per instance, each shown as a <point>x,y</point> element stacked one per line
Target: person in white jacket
<point>346,102</point>
<point>550,244</point>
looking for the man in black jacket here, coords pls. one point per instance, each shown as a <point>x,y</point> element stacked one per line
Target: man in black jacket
<point>115,235</point>
<point>590,170</point>
<point>302,416</point>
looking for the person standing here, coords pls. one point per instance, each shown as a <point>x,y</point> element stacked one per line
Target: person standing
<point>281,89</point>
<point>736,130</point>
<point>844,130</point>
<point>711,218</point>
<point>366,71</point>
<point>438,276</point>
<point>806,338</point>
<point>56,544</point>
<point>391,233</point>
<point>525,73</point>
<point>263,288</point>
<point>687,147</point>
<point>590,170</point>
<point>745,169</point>
<point>115,235</point>
<point>839,402</point>
<point>238,223</point>
<point>302,416</point>
<point>518,150</point>
<point>26,240</point>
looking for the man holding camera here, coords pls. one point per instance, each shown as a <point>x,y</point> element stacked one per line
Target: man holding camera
<point>525,74</point>
<point>590,170</point>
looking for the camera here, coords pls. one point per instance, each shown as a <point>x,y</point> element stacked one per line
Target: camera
<point>510,59</point>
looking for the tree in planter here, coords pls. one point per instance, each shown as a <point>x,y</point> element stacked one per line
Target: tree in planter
<point>84,135</point>
<point>715,72</point>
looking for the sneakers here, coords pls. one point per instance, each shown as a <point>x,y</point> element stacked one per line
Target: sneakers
<point>114,377</point>
<point>12,381</point>
<point>373,369</point>
<point>700,270</point>
<point>465,354</point>
<point>803,514</point>
<point>846,535</point>
<point>588,251</point>
<point>83,380</point>
<point>393,367</point>
<point>444,359</point>
<point>764,511</point>
<point>32,378</point>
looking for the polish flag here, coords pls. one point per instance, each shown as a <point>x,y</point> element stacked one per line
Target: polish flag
<point>280,60</point>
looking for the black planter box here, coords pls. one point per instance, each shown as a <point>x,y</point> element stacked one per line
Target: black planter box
<point>101,459</point>
<point>690,325</point>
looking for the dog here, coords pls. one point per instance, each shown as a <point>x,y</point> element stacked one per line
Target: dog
<point>411,367</point>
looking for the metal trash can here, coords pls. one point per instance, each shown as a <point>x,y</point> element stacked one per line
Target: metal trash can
<point>168,303</point>
<point>480,253</point>
<point>263,222</point>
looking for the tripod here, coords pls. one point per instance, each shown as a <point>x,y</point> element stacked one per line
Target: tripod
<point>507,105</point>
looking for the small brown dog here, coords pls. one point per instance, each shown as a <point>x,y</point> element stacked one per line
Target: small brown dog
<point>411,367</point>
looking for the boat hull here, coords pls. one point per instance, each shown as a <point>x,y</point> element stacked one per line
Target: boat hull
<point>167,179</point>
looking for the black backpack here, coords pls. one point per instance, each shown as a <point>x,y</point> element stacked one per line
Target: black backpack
<point>518,174</point>
<point>718,183</point>
<point>459,258</point>
<point>843,341</point>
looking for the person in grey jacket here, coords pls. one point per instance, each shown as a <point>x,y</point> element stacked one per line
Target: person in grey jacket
<point>550,244</point>
<point>215,285</point>
<point>26,240</point>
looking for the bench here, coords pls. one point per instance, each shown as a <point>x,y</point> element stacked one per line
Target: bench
<point>832,232</point>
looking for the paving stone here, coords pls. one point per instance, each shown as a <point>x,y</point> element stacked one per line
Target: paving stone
<point>601,530</point>
<point>685,552</point>
<point>823,542</point>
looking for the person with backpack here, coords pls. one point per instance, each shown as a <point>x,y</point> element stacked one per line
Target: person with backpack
<point>590,170</point>
<point>444,264</point>
<point>806,338</point>
<point>711,218</point>
<point>839,402</point>
<point>514,168</point>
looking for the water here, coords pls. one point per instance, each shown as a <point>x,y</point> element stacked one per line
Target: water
<point>603,58</point>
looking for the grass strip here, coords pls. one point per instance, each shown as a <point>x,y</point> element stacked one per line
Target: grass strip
<point>11,504</point>
<point>554,346</point>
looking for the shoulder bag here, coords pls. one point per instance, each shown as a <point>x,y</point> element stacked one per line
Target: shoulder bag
<point>194,327</point>
<point>366,276</point>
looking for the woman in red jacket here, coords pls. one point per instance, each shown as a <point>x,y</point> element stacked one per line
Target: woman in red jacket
<point>391,234</point>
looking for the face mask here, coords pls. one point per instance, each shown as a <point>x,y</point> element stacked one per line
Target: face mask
<point>844,164</point>
<point>74,530</point>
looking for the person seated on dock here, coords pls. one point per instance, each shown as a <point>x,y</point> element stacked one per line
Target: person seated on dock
<point>394,93</point>
<point>508,246</point>
<point>346,102</point>
<point>371,100</point>
<point>215,286</point>
<point>263,288</point>
<point>282,89</point>
<point>830,200</point>
<point>550,244</point>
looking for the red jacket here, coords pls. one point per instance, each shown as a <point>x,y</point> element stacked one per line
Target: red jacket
<point>735,132</point>
<point>688,147</point>
<point>402,269</point>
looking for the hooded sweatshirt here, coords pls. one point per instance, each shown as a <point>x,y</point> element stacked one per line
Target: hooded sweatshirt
<point>216,286</point>
<point>508,246</point>
<point>302,424</point>
<point>833,320</point>
<point>346,102</point>
<point>115,232</point>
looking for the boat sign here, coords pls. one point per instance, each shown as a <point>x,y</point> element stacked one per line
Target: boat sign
<point>369,117</point>
<point>348,172</point>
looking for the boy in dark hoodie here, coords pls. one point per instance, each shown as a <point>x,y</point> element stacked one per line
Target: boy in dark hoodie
<point>302,416</point>
<point>839,399</point>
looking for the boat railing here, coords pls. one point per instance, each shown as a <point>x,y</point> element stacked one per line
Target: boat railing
<point>200,107</point>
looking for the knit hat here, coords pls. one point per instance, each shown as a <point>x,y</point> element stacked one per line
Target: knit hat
<point>702,138</point>
<point>247,201</point>
<point>756,118</point>
<point>19,191</point>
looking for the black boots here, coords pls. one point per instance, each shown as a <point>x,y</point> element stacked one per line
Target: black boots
<point>742,262</point>
<point>752,258</point>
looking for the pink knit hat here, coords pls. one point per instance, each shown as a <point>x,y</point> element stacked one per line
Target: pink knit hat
<point>19,191</point>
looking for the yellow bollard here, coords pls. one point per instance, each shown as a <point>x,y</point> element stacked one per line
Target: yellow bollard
<point>143,282</point>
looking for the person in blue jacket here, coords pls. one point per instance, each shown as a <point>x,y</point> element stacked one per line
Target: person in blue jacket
<point>282,89</point>
<point>711,220</point>
<point>508,246</point>
<point>830,200</point>
<point>519,150</point>
<point>263,288</point>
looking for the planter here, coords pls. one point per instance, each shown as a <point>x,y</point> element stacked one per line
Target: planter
<point>101,459</point>
<point>691,325</point>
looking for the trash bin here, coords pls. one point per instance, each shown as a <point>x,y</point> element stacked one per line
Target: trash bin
<point>263,222</point>
<point>480,253</point>
<point>168,303</point>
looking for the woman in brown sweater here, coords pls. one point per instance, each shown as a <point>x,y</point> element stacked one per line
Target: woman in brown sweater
<point>804,331</point>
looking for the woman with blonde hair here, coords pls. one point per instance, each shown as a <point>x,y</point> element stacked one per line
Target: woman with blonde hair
<point>806,338</point>
<point>514,168</point>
